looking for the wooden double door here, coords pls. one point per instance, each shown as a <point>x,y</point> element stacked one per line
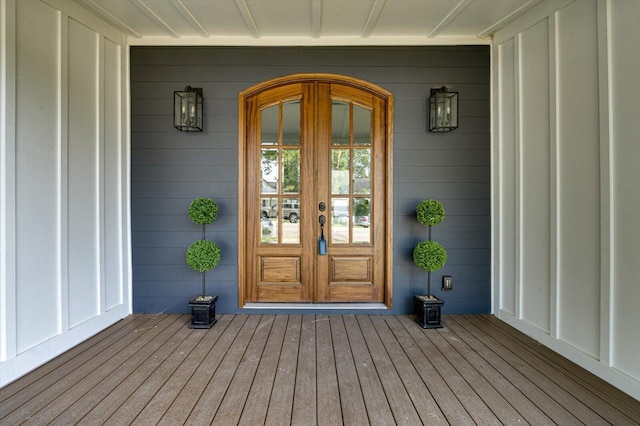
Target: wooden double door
<point>315,214</point>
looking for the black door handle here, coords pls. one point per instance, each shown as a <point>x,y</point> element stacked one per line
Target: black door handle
<point>322,243</point>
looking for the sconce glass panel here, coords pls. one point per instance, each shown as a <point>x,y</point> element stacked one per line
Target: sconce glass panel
<point>187,110</point>
<point>443,110</point>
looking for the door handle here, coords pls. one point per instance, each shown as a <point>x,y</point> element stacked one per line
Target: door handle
<point>322,243</point>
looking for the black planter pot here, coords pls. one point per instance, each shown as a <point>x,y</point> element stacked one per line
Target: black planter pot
<point>203,312</point>
<point>427,312</point>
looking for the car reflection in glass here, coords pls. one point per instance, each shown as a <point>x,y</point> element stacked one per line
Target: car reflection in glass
<point>362,221</point>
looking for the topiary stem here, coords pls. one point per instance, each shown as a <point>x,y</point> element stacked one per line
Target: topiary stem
<point>204,237</point>
<point>429,272</point>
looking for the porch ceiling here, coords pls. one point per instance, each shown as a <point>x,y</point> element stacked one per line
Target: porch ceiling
<point>308,22</point>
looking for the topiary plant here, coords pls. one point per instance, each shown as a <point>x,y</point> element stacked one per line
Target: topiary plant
<point>430,212</point>
<point>203,255</point>
<point>203,211</point>
<point>429,255</point>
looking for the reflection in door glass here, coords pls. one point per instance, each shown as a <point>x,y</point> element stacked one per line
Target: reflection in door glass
<point>291,123</point>
<point>361,219</point>
<point>269,171</point>
<point>361,126</point>
<point>269,220</point>
<point>340,164</point>
<point>270,131</point>
<point>290,220</point>
<point>362,171</point>
<point>291,171</point>
<point>340,124</point>
<point>339,221</point>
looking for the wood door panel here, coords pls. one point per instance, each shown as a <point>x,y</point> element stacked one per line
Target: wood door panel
<point>351,270</point>
<point>279,270</point>
<point>352,292</point>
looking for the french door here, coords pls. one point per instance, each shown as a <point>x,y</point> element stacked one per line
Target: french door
<point>315,213</point>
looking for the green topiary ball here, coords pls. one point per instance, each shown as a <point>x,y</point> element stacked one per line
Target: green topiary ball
<point>429,255</point>
<point>203,255</point>
<point>203,211</point>
<point>430,212</point>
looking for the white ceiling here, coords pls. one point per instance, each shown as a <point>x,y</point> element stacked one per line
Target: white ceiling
<point>308,22</point>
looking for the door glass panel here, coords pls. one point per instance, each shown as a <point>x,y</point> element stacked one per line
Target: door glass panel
<point>280,173</point>
<point>339,221</point>
<point>362,171</point>
<point>269,208</point>
<point>270,130</point>
<point>361,126</point>
<point>291,123</point>
<point>268,221</point>
<point>290,221</point>
<point>340,165</point>
<point>361,219</point>
<point>340,123</point>
<point>291,171</point>
<point>269,171</point>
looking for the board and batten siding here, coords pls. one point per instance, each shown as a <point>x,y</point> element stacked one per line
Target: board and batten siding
<point>565,182</point>
<point>64,232</point>
<point>170,168</point>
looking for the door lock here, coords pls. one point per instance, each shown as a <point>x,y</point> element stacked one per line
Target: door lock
<point>322,206</point>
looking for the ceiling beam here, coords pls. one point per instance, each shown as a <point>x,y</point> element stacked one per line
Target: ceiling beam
<point>186,13</point>
<point>144,8</point>
<point>316,18</point>
<point>111,18</point>
<point>248,18</point>
<point>490,31</point>
<point>450,17</point>
<point>374,14</point>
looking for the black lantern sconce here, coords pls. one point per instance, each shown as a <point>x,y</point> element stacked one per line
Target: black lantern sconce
<point>443,110</point>
<point>187,110</point>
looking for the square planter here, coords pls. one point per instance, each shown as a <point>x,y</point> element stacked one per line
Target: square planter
<point>427,311</point>
<point>203,312</point>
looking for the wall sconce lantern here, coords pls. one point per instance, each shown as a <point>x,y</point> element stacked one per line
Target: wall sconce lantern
<point>443,110</point>
<point>187,110</point>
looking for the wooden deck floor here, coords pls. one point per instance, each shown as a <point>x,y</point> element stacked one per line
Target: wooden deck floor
<point>307,370</point>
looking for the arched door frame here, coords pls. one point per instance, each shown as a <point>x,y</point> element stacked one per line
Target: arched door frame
<point>242,160</point>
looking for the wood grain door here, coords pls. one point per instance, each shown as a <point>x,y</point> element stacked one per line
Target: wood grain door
<point>315,150</point>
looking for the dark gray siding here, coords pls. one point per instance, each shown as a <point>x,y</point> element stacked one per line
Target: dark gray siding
<point>170,168</point>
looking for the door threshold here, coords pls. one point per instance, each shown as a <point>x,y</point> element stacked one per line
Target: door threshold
<point>316,306</point>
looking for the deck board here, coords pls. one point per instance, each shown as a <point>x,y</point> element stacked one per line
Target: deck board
<point>310,370</point>
<point>468,397</point>
<point>213,394</point>
<point>554,410</point>
<point>354,410</point>
<point>527,409</point>
<point>601,390</point>
<point>561,388</point>
<point>300,374</point>
<point>329,408</point>
<point>447,401</point>
<point>185,401</point>
<point>427,408</point>
<point>207,339</point>
<point>374,396</point>
<point>395,392</point>
<point>280,396</point>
